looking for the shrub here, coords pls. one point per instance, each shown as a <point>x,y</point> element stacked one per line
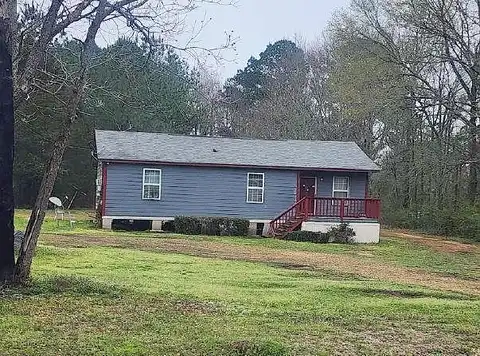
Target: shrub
<point>342,233</point>
<point>236,227</point>
<point>187,225</point>
<point>217,226</point>
<point>460,221</point>
<point>307,236</point>
<point>168,226</point>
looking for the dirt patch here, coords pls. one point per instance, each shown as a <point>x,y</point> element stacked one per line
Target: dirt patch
<point>435,242</point>
<point>370,269</point>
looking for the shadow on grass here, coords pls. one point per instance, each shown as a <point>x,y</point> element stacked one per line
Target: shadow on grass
<point>411,294</point>
<point>306,271</point>
<point>250,348</point>
<point>72,285</point>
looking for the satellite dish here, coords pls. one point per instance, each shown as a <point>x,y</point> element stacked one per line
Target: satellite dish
<point>55,201</point>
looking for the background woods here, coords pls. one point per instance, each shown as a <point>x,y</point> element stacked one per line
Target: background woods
<point>401,78</point>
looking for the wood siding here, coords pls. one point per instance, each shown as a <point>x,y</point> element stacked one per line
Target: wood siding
<point>325,183</point>
<point>211,191</point>
<point>197,191</point>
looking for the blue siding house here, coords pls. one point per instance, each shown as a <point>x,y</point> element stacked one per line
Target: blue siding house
<point>277,184</point>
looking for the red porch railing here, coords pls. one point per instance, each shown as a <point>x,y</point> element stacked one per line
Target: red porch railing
<point>297,212</point>
<point>324,207</point>
<point>346,208</point>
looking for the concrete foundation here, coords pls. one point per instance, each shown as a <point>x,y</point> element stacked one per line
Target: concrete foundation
<point>365,232</point>
<point>107,223</point>
<point>157,225</point>
<point>252,228</point>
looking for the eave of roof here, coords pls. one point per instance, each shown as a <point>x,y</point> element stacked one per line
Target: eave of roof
<point>190,164</point>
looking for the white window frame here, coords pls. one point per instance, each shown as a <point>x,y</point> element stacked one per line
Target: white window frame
<point>256,188</point>
<point>341,190</point>
<point>159,184</point>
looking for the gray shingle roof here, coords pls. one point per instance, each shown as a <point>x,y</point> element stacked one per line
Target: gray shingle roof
<point>157,147</point>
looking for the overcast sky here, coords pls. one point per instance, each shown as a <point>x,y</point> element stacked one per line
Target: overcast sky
<point>259,22</point>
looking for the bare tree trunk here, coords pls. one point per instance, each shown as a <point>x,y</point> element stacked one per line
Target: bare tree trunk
<point>24,262</point>
<point>473,168</point>
<point>7,25</point>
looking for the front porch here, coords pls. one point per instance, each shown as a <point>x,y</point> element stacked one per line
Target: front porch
<point>318,214</point>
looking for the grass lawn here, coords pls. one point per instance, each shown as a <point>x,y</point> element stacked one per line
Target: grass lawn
<point>112,293</point>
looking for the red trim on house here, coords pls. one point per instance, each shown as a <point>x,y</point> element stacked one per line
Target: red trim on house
<point>126,161</point>
<point>104,187</point>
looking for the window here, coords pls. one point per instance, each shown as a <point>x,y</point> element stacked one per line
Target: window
<point>152,181</point>
<point>255,187</point>
<point>341,187</point>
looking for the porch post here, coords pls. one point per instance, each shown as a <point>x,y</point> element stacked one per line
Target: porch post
<point>342,209</point>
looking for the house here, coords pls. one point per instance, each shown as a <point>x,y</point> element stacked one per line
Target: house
<point>278,186</point>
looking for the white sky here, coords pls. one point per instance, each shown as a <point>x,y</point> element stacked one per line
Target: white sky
<point>255,23</point>
<point>259,22</point>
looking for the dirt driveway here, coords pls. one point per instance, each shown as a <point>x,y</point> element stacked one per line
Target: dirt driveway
<point>340,263</point>
<point>435,242</point>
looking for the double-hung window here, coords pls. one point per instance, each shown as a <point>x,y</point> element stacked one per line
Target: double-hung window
<point>152,183</point>
<point>255,187</point>
<point>341,187</point>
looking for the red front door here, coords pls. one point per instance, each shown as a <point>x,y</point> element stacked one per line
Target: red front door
<point>307,189</point>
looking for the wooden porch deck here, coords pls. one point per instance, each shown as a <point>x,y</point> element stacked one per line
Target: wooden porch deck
<point>336,209</point>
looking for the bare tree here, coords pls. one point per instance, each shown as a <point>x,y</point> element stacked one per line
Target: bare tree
<point>425,37</point>
<point>155,21</point>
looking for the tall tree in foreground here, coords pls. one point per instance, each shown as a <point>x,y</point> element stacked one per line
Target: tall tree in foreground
<point>78,86</point>
<point>7,26</point>
<point>149,18</point>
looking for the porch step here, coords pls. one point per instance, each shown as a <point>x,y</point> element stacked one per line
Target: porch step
<point>294,215</point>
<point>288,226</point>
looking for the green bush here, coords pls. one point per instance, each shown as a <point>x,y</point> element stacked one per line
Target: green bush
<point>397,217</point>
<point>342,233</point>
<point>466,224</point>
<point>217,226</point>
<point>187,225</point>
<point>463,221</point>
<point>307,236</point>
